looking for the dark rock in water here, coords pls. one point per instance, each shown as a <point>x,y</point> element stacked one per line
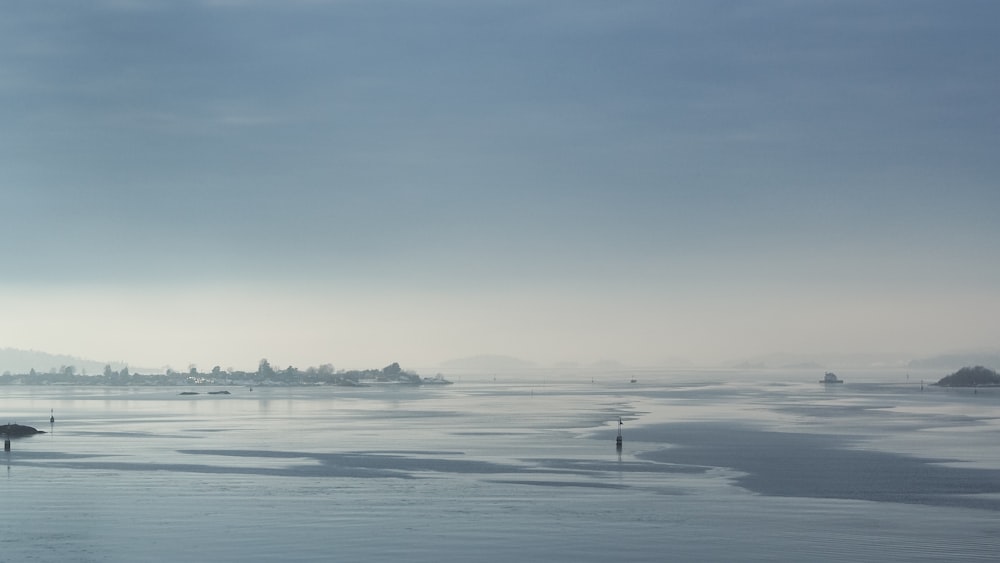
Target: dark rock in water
<point>19,430</point>
<point>218,392</point>
<point>188,392</point>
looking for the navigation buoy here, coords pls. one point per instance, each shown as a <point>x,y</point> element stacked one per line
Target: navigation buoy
<point>52,417</point>
<point>6,444</point>
<point>618,440</point>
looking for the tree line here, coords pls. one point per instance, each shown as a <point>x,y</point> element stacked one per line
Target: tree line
<point>266,374</point>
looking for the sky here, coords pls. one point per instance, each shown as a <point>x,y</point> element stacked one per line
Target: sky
<point>212,182</point>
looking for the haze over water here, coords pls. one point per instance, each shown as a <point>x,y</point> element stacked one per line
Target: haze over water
<point>716,466</point>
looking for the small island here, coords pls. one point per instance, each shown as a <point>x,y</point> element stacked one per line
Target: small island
<point>978,376</point>
<point>830,377</point>
<point>19,430</point>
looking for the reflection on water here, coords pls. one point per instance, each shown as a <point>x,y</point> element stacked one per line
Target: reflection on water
<point>767,466</point>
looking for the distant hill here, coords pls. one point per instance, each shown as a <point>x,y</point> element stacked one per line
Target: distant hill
<point>600,365</point>
<point>970,377</point>
<point>819,361</point>
<point>804,366</point>
<point>957,360</point>
<point>607,365</point>
<point>18,361</point>
<point>488,362</point>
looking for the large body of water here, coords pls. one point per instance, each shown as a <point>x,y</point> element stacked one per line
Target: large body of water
<point>716,466</point>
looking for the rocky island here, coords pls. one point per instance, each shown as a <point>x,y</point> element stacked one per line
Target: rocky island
<point>978,376</point>
<point>19,430</point>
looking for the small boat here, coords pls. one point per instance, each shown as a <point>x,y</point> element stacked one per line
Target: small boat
<point>830,377</point>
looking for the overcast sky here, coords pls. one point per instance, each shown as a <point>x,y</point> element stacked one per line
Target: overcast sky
<point>360,182</point>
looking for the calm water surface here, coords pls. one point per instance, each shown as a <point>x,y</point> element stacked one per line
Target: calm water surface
<point>717,466</point>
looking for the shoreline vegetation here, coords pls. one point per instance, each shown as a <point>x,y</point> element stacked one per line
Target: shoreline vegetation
<point>265,376</point>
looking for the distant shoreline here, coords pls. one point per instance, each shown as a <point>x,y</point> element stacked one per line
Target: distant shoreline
<point>264,377</point>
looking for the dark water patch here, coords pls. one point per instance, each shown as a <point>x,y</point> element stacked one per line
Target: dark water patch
<point>589,467</point>
<point>540,483</point>
<point>289,471</point>
<point>882,412</point>
<point>821,466</point>
<point>492,433</point>
<point>115,434</point>
<point>414,464</point>
<point>27,455</point>
<point>377,461</point>
<point>363,464</point>
<point>249,453</point>
<point>835,410</point>
<point>705,392</point>
<point>410,452</point>
<point>306,464</point>
<point>391,413</point>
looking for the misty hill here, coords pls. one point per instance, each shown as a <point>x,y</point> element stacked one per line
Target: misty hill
<point>970,377</point>
<point>488,362</point>
<point>818,361</point>
<point>23,361</point>
<point>603,365</point>
<point>957,360</point>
